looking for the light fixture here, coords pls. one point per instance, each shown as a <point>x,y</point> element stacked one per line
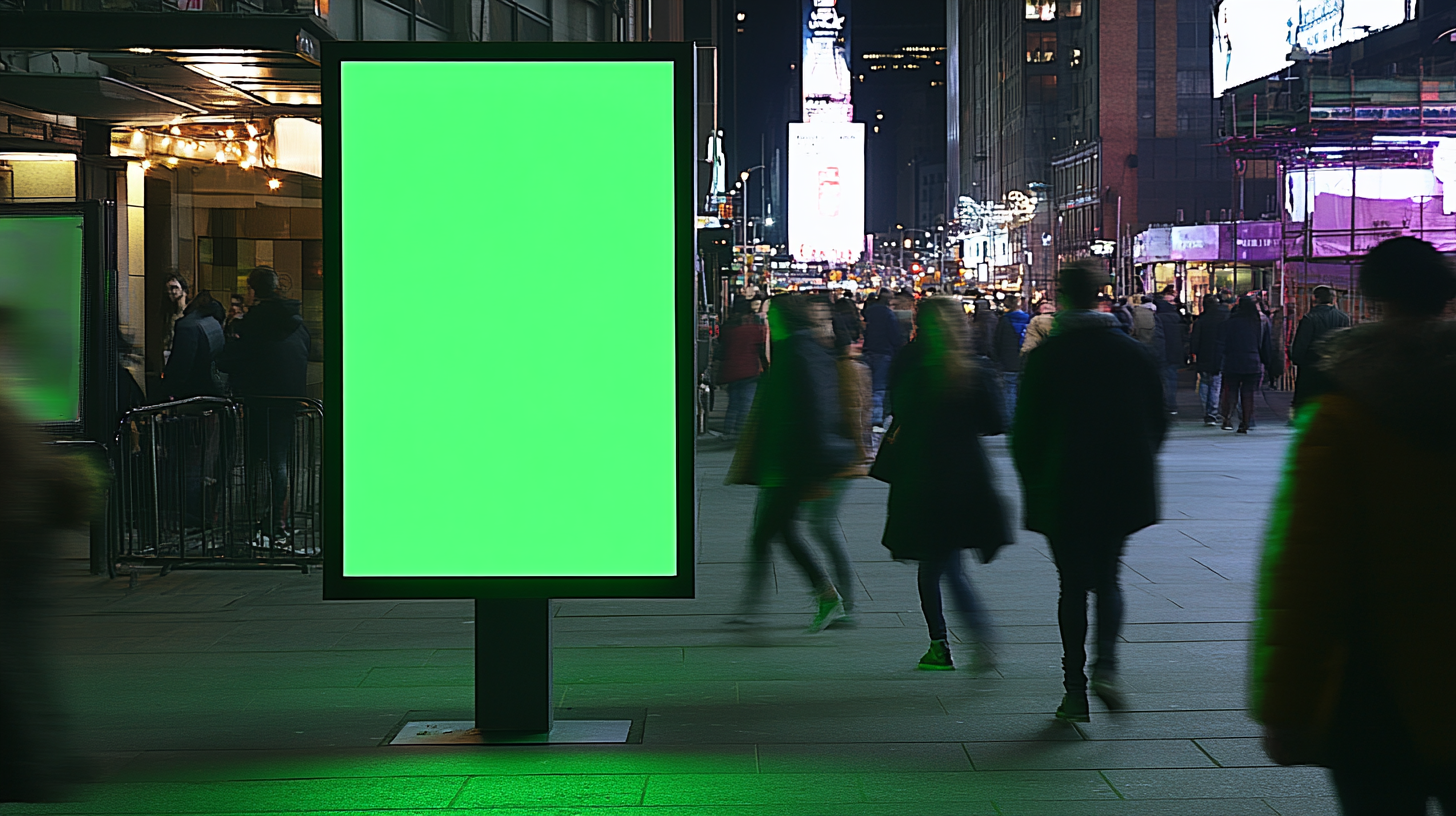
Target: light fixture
<point>252,131</point>
<point>741,16</point>
<point>274,184</point>
<point>140,50</point>
<point>176,131</point>
<point>221,157</point>
<point>146,165</point>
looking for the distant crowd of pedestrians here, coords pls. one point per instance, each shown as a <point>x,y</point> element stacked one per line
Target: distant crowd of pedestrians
<point>1353,596</point>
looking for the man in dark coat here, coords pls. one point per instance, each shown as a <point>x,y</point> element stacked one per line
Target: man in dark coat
<point>882,340</point>
<point>1168,345</point>
<point>269,359</point>
<point>197,339</point>
<point>1304,352</point>
<point>1087,383</point>
<point>1206,356</point>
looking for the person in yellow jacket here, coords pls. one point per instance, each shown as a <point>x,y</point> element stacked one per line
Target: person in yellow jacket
<point>1354,654</point>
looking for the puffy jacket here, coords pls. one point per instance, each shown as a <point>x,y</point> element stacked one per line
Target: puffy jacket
<point>1355,582</point>
<point>1144,322</point>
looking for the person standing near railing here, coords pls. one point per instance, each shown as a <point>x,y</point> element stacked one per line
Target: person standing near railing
<point>269,359</point>
<point>197,340</point>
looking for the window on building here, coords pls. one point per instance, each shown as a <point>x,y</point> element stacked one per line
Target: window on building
<point>1041,9</point>
<point>1044,89</point>
<point>1074,59</point>
<point>1072,8</point>
<point>1041,46</point>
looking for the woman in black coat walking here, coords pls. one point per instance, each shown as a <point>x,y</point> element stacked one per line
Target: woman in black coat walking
<point>1246,346</point>
<point>932,458</point>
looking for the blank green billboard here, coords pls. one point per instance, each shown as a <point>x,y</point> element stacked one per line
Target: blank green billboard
<point>510,361</point>
<point>41,272</point>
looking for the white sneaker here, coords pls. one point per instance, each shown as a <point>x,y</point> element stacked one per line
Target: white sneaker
<point>877,429</point>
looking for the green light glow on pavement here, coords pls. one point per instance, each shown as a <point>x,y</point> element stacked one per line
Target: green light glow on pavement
<point>500,421</point>
<point>40,277</point>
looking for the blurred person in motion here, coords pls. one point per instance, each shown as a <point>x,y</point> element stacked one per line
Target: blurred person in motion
<point>1206,357</point>
<point>984,322</point>
<point>1088,383</point>
<point>741,360</point>
<point>41,492</point>
<point>1145,321</point>
<point>932,458</point>
<point>1006,351</point>
<point>1168,344</point>
<point>1123,312</point>
<point>1038,329</point>
<point>1352,663</point>
<point>197,340</point>
<point>881,342</point>
<point>792,448</point>
<point>904,306</point>
<point>269,359</point>
<point>848,328</point>
<point>1304,352</point>
<point>1245,346</point>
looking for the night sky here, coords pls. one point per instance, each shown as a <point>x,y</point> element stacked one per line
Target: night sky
<point>768,88</point>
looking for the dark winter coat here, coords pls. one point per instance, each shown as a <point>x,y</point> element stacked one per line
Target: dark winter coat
<point>793,437</point>
<point>270,356</point>
<point>1205,339</point>
<point>1355,600</point>
<point>191,369</point>
<point>983,331</point>
<point>1172,333</point>
<point>1245,344</point>
<point>882,330</point>
<point>933,460</point>
<point>846,328</point>
<point>1305,351</point>
<point>1089,421</point>
<point>1006,345</point>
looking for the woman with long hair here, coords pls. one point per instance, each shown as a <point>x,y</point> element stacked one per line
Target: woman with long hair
<point>932,458</point>
<point>1246,347</point>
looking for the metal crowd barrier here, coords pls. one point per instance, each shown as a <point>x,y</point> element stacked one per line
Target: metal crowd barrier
<point>213,482</point>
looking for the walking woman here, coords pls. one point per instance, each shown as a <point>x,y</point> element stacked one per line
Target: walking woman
<point>791,447</point>
<point>740,361</point>
<point>932,458</point>
<point>1246,346</point>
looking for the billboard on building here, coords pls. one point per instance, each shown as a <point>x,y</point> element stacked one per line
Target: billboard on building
<point>1251,38</point>
<point>421,509</point>
<point>827,81</point>
<point>826,191</point>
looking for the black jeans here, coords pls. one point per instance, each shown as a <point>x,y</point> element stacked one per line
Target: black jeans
<point>1087,564</point>
<point>773,517</point>
<point>928,577</point>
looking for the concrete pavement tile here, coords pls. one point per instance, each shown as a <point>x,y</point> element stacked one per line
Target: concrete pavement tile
<point>1219,783</point>
<point>484,792</point>
<point>651,694</point>
<point>396,677</point>
<point>1091,756</point>
<point>994,785</point>
<point>816,789</point>
<point>1247,752</point>
<point>733,726</point>
<point>1185,632</point>
<point>308,795</point>
<point>863,757</point>
<point>1170,725</point>
<point>1305,805</point>
<point>1121,807</point>
<point>462,638</point>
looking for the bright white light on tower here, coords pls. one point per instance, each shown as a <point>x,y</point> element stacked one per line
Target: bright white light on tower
<point>826,191</point>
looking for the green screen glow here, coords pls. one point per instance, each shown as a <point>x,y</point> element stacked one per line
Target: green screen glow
<point>40,278</point>
<point>508,308</point>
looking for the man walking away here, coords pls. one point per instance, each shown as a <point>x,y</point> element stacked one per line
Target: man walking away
<point>881,342</point>
<point>1006,350</point>
<point>1087,383</point>
<point>1145,321</point>
<point>1324,318</point>
<point>1171,352</point>
<point>1206,357</point>
<point>269,359</point>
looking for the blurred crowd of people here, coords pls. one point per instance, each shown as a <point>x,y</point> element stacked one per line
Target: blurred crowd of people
<point>1348,672</point>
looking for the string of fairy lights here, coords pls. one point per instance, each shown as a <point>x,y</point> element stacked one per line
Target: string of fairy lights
<point>245,144</point>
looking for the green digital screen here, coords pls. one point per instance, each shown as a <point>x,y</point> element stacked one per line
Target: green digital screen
<point>510,324</point>
<point>41,271</point>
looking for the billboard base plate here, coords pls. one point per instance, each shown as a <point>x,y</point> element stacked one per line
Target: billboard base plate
<point>464,732</point>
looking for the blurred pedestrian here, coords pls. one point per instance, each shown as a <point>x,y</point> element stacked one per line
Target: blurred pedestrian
<point>848,328</point>
<point>1006,351</point>
<point>1246,348</point>
<point>1168,345</point>
<point>1352,662</point>
<point>41,492</point>
<point>1145,321</point>
<point>932,459</point>
<point>1038,329</point>
<point>269,360</point>
<point>791,448</point>
<point>882,339</point>
<point>1305,352</point>
<point>740,353</point>
<point>1206,357</point>
<point>1123,312</point>
<point>1086,384</point>
<point>983,329</point>
<point>197,340</point>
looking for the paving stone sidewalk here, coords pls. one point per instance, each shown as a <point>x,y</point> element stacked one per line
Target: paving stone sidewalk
<point>228,692</point>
